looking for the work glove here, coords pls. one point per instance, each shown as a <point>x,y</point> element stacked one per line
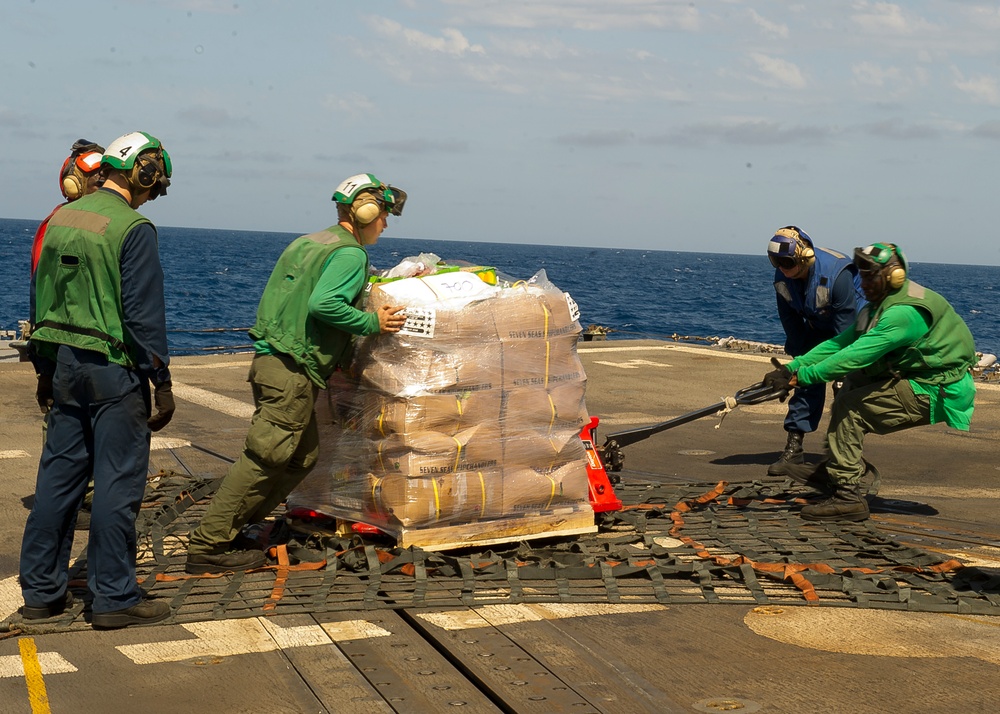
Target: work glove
<point>43,393</point>
<point>778,379</point>
<point>163,399</point>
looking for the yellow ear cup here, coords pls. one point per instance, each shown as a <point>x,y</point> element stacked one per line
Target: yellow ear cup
<point>896,278</point>
<point>72,187</point>
<point>365,209</point>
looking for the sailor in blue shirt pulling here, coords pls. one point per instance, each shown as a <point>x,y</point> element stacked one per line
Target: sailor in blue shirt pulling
<point>818,294</point>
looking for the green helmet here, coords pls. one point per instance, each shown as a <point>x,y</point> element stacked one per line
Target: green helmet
<point>391,198</point>
<point>883,269</point>
<point>153,169</point>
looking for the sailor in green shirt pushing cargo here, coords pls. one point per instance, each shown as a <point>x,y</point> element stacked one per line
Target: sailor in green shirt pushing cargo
<point>305,325</point>
<point>906,362</point>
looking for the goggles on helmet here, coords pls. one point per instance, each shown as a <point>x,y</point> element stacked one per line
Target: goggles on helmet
<point>395,199</point>
<point>873,258</point>
<point>782,251</point>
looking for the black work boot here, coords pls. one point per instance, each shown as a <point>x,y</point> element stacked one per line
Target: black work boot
<point>792,454</point>
<point>846,504</point>
<point>231,561</point>
<point>53,609</point>
<point>145,612</point>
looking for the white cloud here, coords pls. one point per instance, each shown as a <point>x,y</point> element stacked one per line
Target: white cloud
<point>524,48</point>
<point>982,89</point>
<point>872,75</point>
<point>588,15</point>
<point>777,72</point>
<point>772,29</point>
<point>886,18</point>
<point>450,42</point>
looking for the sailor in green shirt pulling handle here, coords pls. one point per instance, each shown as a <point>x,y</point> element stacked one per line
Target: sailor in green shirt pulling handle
<point>906,361</point>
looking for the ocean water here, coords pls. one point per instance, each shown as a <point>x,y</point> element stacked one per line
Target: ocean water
<point>214,279</point>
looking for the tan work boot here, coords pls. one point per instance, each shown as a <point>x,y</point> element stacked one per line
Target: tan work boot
<point>846,504</point>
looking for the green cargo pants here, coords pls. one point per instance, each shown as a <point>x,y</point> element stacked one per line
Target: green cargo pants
<point>864,406</point>
<point>281,448</point>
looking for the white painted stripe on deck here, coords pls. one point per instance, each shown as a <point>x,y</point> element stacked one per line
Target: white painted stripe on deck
<point>497,615</point>
<point>225,638</point>
<point>174,367</point>
<point>353,630</point>
<point>51,663</point>
<point>162,442</point>
<point>10,597</point>
<point>726,354</point>
<point>13,454</point>
<point>632,364</point>
<point>205,398</point>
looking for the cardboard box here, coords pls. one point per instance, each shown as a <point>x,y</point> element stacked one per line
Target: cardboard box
<point>438,500</point>
<point>528,490</point>
<point>447,412</point>
<point>563,406</point>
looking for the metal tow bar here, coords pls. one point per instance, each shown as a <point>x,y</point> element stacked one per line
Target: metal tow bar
<point>611,452</point>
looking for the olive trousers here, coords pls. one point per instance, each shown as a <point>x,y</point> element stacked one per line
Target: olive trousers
<point>864,406</point>
<point>281,449</point>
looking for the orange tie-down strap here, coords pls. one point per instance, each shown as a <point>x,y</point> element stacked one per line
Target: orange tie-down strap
<point>282,568</point>
<point>791,572</point>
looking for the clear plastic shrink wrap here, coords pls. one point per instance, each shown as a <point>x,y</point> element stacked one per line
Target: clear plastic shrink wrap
<point>471,413</point>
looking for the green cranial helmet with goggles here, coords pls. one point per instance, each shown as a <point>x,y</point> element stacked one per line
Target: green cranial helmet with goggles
<point>883,269</point>
<point>143,160</point>
<point>367,197</point>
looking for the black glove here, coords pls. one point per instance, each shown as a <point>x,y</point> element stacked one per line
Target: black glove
<point>43,393</point>
<point>163,398</point>
<point>778,379</point>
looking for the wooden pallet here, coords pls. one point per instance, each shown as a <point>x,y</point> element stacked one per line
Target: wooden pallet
<point>550,524</point>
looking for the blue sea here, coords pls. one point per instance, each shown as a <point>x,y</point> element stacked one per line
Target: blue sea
<point>214,279</point>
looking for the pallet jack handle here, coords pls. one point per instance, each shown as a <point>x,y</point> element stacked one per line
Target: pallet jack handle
<point>612,457</point>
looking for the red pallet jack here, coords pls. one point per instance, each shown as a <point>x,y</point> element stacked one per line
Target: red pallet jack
<point>610,458</point>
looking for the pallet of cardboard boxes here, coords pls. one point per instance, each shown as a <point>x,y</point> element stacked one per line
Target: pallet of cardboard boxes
<point>464,428</point>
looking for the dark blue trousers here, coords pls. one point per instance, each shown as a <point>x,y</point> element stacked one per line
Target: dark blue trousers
<point>805,408</point>
<point>97,424</point>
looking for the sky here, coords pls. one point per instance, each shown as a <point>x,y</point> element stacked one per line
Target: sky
<point>647,124</point>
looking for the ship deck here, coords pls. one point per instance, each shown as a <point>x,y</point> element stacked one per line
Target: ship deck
<point>682,608</point>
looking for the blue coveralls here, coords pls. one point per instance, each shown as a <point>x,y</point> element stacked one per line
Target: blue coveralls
<point>98,422</point>
<point>812,311</point>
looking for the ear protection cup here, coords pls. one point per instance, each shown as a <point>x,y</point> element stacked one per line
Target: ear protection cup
<point>70,182</point>
<point>72,187</point>
<point>145,172</point>
<point>365,209</point>
<point>896,277</point>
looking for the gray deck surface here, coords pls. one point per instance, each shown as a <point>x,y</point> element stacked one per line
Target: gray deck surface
<point>939,491</point>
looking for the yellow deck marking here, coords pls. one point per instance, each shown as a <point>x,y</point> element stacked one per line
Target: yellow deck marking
<point>37,696</point>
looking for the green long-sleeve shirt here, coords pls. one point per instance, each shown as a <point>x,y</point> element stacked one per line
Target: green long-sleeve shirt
<point>898,327</point>
<point>331,301</point>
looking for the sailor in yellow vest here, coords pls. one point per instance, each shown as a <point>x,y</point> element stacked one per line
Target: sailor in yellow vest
<point>306,321</point>
<point>99,341</point>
